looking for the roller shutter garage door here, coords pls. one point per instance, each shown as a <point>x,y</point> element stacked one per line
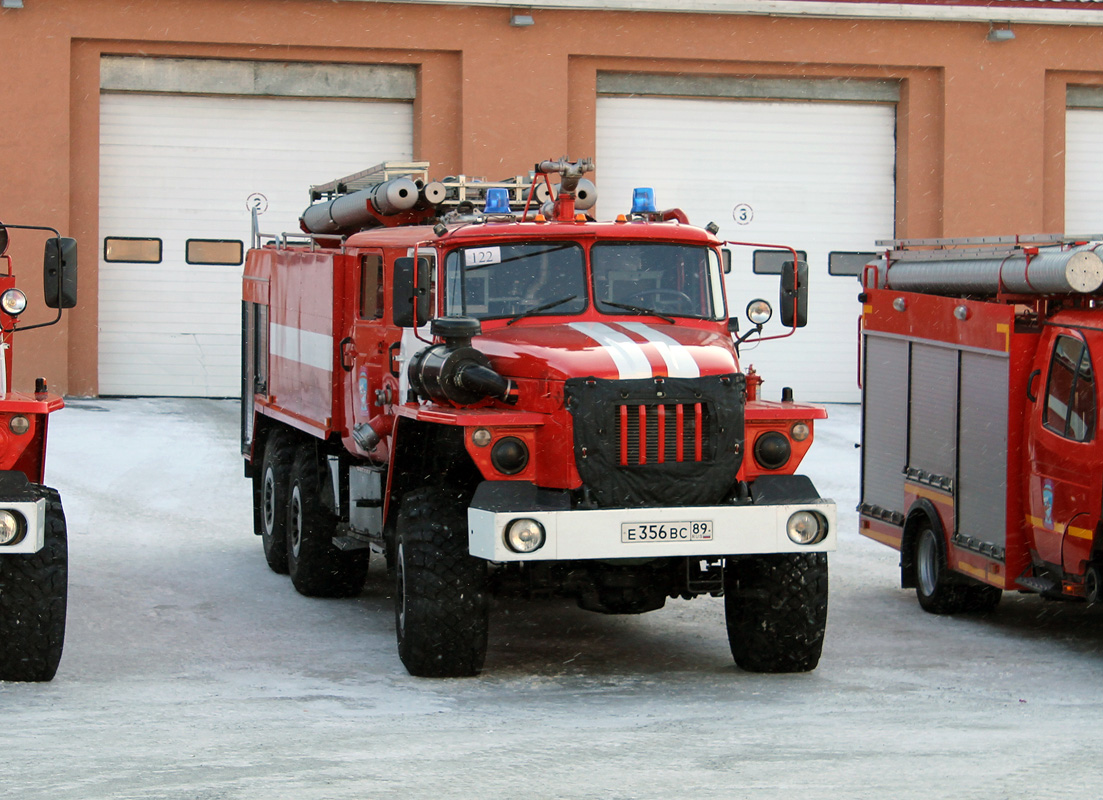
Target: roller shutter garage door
<point>817,176</point>
<point>1084,169</point>
<point>177,167</point>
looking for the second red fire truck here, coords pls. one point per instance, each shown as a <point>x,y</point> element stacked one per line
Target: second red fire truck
<point>982,447</point>
<point>500,394</point>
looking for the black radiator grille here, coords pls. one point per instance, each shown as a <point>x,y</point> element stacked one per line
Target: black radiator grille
<point>672,433</point>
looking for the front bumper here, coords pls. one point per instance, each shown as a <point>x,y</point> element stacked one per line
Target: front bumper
<point>600,533</point>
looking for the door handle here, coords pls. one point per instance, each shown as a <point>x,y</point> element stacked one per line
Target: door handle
<point>390,357</point>
<point>1030,386</point>
<point>341,348</point>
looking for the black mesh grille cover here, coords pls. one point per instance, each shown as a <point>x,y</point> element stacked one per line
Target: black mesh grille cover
<point>691,446</point>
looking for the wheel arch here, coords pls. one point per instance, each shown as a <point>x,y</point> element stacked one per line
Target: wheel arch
<point>426,453</point>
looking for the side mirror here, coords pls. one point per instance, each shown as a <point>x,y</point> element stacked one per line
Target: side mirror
<point>404,293</point>
<point>726,257</point>
<point>59,272</point>
<point>793,305</point>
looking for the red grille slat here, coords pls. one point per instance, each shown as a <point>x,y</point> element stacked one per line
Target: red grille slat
<point>661,455</point>
<point>643,435</point>
<point>680,434</point>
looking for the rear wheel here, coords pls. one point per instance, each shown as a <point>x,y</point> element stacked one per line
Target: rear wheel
<point>441,604</point>
<point>318,568</point>
<point>941,592</point>
<point>776,610</point>
<point>275,480</point>
<point>33,591</point>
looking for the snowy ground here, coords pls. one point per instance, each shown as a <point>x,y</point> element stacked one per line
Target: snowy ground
<point>192,672</point>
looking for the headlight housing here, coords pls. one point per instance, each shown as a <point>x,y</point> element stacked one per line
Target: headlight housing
<point>525,536</point>
<point>806,527</point>
<point>509,455</point>
<point>772,450</point>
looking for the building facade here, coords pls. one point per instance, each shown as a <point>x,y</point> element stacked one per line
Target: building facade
<point>152,128</point>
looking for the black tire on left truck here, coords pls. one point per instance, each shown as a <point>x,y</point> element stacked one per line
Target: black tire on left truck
<point>776,610</point>
<point>33,592</point>
<point>441,599</point>
<point>318,568</point>
<point>271,513</point>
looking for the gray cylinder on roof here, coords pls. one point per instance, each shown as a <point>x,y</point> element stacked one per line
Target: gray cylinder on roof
<point>349,213</point>
<point>1077,270</point>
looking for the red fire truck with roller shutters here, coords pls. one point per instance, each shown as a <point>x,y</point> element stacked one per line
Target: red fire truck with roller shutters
<point>981,440</point>
<point>499,393</point>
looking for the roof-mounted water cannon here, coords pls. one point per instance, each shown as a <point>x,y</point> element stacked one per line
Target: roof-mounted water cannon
<point>576,193</point>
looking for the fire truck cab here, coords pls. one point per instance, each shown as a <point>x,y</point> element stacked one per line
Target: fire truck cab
<point>981,424</point>
<point>499,393</point>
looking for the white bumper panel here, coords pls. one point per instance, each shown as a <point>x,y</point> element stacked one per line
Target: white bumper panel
<point>34,512</point>
<point>602,533</point>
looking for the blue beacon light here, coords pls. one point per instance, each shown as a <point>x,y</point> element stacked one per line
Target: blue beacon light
<point>497,201</point>
<point>643,201</point>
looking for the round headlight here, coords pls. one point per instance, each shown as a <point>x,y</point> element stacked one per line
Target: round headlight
<point>509,455</point>
<point>14,302</point>
<point>19,424</point>
<point>759,312</point>
<point>481,437</point>
<point>772,450</point>
<point>524,535</point>
<point>806,527</point>
<point>800,431</point>
<point>10,529</point>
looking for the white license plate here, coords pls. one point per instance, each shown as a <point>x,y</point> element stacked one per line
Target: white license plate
<point>696,531</point>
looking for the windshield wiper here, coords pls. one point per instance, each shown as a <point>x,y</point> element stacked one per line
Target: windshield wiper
<point>544,307</point>
<point>640,310</point>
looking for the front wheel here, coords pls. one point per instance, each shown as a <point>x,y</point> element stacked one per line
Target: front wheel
<point>33,592</point>
<point>441,604</point>
<point>776,610</point>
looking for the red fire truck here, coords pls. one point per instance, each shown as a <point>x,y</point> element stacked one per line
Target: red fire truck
<point>500,394</point>
<point>981,432</point>
<point>33,551</point>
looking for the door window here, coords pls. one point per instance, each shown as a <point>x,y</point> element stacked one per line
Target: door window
<point>371,286</point>
<point>1070,391</point>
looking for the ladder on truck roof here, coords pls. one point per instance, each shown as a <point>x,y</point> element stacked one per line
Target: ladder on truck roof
<point>458,189</point>
<point>973,247</point>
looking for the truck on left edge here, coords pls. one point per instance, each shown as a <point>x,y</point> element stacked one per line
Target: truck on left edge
<point>33,548</point>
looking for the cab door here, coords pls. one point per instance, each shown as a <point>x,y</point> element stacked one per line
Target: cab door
<point>1064,452</point>
<point>364,350</point>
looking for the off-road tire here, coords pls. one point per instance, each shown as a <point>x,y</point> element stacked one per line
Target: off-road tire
<point>937,589</point>
<point>776,610</point>
<point>318,568</point>
<point>441,601</point>
<point>33,591</point>
<point>271,513</point>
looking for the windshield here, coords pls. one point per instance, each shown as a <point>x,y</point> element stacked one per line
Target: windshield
<point>662,279</point>
<point>508,280</point>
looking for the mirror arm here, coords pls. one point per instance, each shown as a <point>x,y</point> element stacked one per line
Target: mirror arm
<point>748,334</point>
